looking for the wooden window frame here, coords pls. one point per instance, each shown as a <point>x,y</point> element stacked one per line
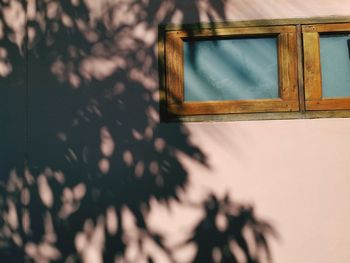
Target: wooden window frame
<point>313,71</point>
<point>299,71</point>
<point>287,69</point>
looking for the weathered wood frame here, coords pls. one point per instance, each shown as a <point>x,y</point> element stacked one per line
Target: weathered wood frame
<point>300,24</point>
<point>313,71</point>
<point>287,71</point>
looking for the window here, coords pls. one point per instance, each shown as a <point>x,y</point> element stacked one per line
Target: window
<point>327,66</point>
<point>258,69</point>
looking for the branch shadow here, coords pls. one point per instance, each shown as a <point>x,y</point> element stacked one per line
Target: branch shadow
<point>83,153</point>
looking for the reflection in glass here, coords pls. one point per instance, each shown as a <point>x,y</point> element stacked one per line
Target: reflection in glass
<point>335,64</point>
<point>231,69</point>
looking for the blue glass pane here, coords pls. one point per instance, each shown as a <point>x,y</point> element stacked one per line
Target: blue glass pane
<point>335,64</point>
<point>231,69</point>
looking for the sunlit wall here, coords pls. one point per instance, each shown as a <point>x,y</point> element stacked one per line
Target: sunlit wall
<point>90,174</point>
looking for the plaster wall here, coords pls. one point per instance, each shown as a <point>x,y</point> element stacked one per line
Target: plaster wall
<point>81,144</point>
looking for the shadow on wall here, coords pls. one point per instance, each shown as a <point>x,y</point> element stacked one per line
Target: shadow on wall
<point>83,154</point>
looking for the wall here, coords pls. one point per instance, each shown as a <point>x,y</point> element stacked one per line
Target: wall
<point>89,174</point>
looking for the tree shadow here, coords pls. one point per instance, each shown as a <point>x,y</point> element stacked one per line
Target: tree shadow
<point>231,232</point>
<point>83,153</point>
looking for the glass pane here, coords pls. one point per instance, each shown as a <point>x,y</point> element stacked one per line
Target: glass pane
<point>335,63</point>
<point>231,69</point>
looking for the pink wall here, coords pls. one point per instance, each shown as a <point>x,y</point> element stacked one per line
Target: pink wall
<point>88,127</point>
<point>296,173</point>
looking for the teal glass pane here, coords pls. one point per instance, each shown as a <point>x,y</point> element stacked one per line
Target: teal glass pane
<point>230,69</point>
<point>335,64</point>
